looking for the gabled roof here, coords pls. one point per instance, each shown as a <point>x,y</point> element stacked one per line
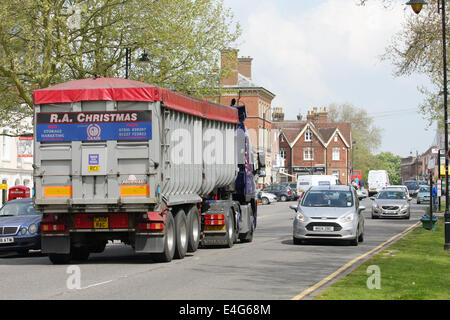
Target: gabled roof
<point>325,131</point>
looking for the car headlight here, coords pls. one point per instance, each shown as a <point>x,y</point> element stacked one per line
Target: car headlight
<point>348,217</point>
<point>300,217</point>
<point>23,231</point>
<point>32,229</point>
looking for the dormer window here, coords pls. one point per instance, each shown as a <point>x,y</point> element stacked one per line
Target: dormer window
<point>308,136</point>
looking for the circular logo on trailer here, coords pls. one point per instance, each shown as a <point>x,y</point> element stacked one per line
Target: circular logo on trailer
<point>93,132</point>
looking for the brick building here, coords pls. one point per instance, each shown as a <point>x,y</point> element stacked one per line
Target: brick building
<point>314,146</point>
<point>240,86</point>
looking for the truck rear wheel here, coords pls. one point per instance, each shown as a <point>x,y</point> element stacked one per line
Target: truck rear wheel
<point>248,236</point>
<point>169,242</point>
<point>181,232</point>
<point>60,258</point>
<point>193,229</point>
<point>231,232</point>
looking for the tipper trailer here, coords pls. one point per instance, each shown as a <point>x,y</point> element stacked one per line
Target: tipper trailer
<point>117,159</point>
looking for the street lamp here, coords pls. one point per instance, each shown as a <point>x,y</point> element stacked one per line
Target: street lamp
<point>417,5</point>
<point>143,59</point>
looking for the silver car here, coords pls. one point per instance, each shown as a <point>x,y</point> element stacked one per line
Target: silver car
<point>267,198</point>
<point>391,203</point>
<point>329,212</point>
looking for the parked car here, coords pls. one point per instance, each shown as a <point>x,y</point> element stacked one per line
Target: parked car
<point>413,187</point>
<point>283,192</point>
<point>266,198</point>
<point>20,228</point>
<point>293,186</point>
<point>331,212</point>
<point>423,196</point>
<point>391,203</point>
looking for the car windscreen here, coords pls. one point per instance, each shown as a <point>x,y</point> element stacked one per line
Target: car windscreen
<point>18,209</point>
<point>424,189</point>
<point>328,198</point>
<point>411,185</point>
<point>392,195</point>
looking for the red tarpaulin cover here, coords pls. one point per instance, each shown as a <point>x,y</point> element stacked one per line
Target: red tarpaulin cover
<point>114,89</point>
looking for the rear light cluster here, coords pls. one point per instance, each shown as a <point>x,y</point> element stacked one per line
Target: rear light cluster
<point>151,226</point>
<point>53,227</point>
<point>52,222</point>
<point>214,220</point>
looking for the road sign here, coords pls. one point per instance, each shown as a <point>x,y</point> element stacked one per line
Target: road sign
<point>3,186</point>
<point>435,150</point>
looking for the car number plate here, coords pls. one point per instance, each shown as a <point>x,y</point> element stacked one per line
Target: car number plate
<point>101,223</point>
<point>326,229</point>
<point>6,240</point>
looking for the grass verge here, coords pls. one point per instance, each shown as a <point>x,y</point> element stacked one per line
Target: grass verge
<point>414,268</point>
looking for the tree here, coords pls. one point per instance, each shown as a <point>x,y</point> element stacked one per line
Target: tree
<point>44,42</point>
<point>392,164</point>
<point>417,48</point>
<point>366,135</point>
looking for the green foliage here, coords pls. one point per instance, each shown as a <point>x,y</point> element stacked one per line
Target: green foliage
<point>414,268</point>
<point>392,164</point>
<point>44,42</point>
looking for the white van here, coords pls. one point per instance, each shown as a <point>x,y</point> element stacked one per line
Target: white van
<point>377,180</point>
<point>304,182</point>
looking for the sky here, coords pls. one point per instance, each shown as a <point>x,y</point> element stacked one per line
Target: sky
<point>312,53</point>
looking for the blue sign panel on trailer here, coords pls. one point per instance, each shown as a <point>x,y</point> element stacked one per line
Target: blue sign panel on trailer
<point>94,126</point>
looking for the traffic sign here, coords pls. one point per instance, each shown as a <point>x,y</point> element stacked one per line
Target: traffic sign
<point>3,186</point>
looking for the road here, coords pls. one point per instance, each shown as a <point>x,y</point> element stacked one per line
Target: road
<point>269,268</point>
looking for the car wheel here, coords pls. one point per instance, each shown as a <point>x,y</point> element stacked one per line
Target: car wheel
<point>361,237</point>
<point>354,242</point>
<point>283,198</point>
<point>265,200</point>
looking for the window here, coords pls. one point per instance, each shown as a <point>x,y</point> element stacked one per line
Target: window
<point>308,135</point>
<point>283,153</point>
<point>336,154</point>
<point>282,138</point>
<point>336,138</point>
<point>308,154</point>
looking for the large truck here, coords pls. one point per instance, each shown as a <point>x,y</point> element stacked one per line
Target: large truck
<point>117,159</point>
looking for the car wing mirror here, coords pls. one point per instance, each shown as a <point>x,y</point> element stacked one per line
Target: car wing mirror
<point>294,207</point>
<point>372,198</point>
<point>362,208</point>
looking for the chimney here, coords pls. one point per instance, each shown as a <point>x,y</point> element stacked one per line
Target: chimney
<point>229,61</point>
<point>245,67</point>
<point>317,115</point>
<point>278,114</point>
<point>323,115</point>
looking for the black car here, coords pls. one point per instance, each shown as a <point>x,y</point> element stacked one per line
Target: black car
<point>283,192</point>
<point>413,187</point>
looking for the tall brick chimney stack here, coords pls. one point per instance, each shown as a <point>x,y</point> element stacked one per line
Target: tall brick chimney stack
<point>229,60</point>
<point>317,115</point>
<point>245,67</point>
